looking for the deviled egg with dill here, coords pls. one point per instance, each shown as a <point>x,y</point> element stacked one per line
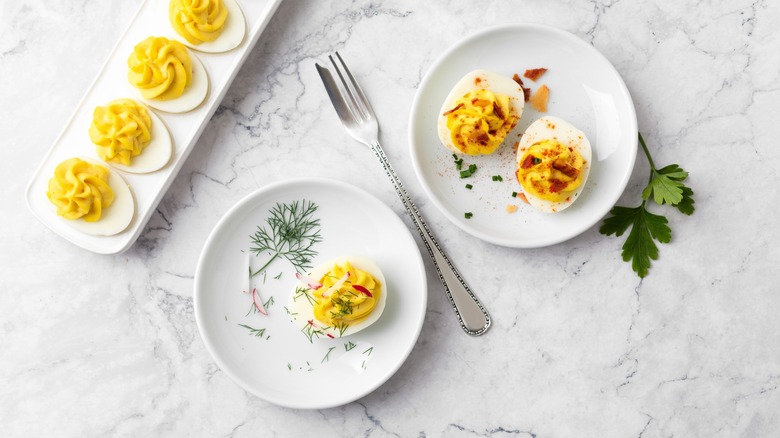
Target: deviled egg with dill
<point>338,298</point>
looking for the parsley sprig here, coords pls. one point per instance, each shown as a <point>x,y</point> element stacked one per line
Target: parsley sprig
<point>665,187</point>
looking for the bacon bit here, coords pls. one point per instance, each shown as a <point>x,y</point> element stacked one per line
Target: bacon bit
<point>479,136</point>
<point>498,112</point>
<point>528,161</point>
<point>539,99</point>
<point>526,91</point>
<point>511,208</point>
<point>534,73</point>
<point>256,300</point>
<point>566,169</point>
<point>457,107</point>
<point>313,284</point>
<point>477,81</point>
<point>329,335</point>
<point>556,185</point>
<point>360,288</point>
<point>522,197</point>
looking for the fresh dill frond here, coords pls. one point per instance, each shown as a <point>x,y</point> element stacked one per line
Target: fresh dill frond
<point>291,232</point>
<point>253,331</point>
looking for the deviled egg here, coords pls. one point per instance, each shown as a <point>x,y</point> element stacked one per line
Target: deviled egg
<point>92,198</point>
<point>338,298</point>
<point>553,163</point>
<point>210,26</point>
<point>167,76</point>
<point>130,137</point>
<point>479,112</point>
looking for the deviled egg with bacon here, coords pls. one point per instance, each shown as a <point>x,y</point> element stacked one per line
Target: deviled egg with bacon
<point>553,163</point>
<point>338,298</point>
<point>479,112</point>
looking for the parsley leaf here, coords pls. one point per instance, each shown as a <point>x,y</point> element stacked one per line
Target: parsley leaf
<point>666,187</point>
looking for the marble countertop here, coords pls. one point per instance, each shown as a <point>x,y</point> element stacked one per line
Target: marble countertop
<point>97,345</point>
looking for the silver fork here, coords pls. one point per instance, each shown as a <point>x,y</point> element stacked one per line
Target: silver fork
<point>358,118</point>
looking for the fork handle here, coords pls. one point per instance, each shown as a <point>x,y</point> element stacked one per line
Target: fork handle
<point>473,317</point>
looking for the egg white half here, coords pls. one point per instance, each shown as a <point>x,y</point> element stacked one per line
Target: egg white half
<point>115,218</point>
<point>476,80</point>
<point>301,311</point>
<point>194,93</point>
<point>565,133</point>
<point>232,34</point>
<point>155,155</point>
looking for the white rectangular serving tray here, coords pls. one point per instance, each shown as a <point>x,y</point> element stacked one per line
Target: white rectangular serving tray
<point>151,19</point>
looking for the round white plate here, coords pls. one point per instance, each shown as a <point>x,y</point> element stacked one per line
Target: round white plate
<point>281,365</point>
<point>585,90</point>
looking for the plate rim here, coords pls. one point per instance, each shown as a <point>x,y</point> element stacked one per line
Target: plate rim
<point>242,204</point>
<point>537,27</point>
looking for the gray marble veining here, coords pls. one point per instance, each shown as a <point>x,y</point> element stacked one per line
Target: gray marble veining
<point>107,345</point>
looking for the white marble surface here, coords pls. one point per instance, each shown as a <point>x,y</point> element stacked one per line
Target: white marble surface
<point>96,345</point>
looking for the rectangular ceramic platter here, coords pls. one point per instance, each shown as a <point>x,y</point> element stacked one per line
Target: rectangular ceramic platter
<point>151,19</point>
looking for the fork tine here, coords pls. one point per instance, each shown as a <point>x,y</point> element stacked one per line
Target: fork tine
<point>342,108</point>
<point>357,100</point>
<point>363,99</point>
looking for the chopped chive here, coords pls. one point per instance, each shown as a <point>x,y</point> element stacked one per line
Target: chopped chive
<point>514,194</point>
<point>469,186</point>
<point>537,160</point>
<point>454,157</point>
<point>468,215</point>
<point>497,178</point>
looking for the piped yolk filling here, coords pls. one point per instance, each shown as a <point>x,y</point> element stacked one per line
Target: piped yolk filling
<point>480,121</point>
<point>352,302</point>
<point>550,170</point>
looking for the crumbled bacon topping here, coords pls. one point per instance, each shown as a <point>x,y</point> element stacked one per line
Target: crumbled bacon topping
<point>498,112</point>
<point>479,136</point>
<point>459,106</point>
<point>566,169</point>
<point>539,99</point>
<point>528,161</point>
<point>534,73</point>
<point>556,185</point>
<point>526,91</point>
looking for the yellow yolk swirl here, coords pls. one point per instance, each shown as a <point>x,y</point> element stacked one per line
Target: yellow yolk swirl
<point>347,304</point>
<point>80,190</point>
<point>198,21</point>
<point>550,170</point>
<point>120,130</point>
<point>160,68</point>
<point>480,121</point>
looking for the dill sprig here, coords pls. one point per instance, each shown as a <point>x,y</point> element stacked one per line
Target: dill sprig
<point>327,355</point>
<point>253,331</point>
<point>303,292</point>
<point>291,232</point>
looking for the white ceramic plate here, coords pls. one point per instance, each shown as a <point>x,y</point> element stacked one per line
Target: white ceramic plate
<point>585,90</point>
<point>282,366</point>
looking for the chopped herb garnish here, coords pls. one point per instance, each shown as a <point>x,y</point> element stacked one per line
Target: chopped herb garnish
<point>537,160</point>
<point>253,331</point>
<point>341,327</point>
<point>468,215</point>
<point>468,172</point>
<point>368,350</point>
<point>469,186</point>
<point>292,233</point>
<point>289,366</point>
<point>514,194</point>
<point>305,292</point>
<point>269,303</point>
<point>327,355</point>
<point>497,178</point>
<point>666,187</point>
<point>311,331</point>
<point>349,346</point>
<point>278,276</point>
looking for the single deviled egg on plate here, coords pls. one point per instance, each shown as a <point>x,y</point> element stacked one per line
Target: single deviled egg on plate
<point>553,163</point>
<point>130,137</point>
<point>167,76</point>
<point>92,198</point>
<point>479,113</point>
<point>210,26</point>
<point>338,298</point>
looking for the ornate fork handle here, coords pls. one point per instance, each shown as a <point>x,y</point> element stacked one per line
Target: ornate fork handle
<point>473,317</point>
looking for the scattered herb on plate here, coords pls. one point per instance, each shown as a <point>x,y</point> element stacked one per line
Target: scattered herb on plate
<point>469,186</point>
<point>497,178</point>
<point>468,172</point>
<point>666,187</point>
<point>292,233</point>
<point>468,215</point>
